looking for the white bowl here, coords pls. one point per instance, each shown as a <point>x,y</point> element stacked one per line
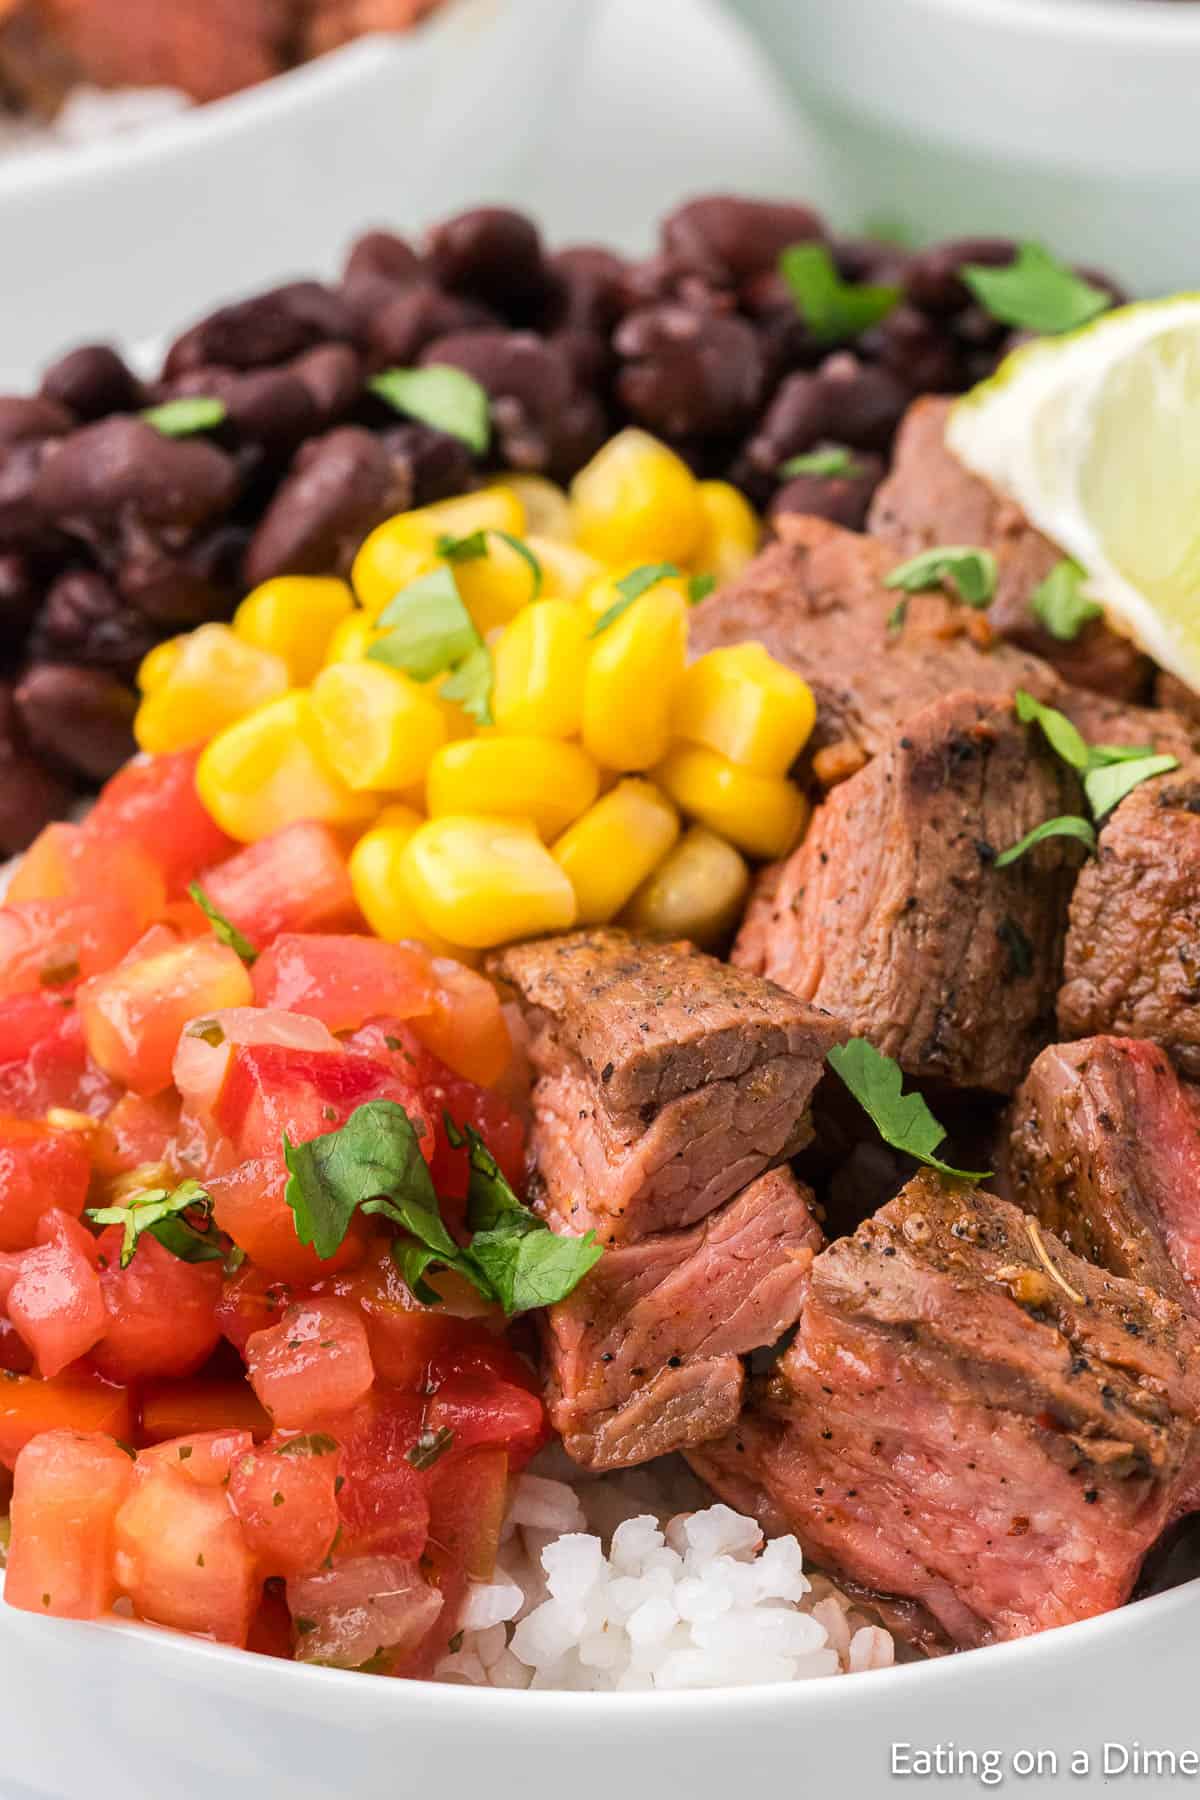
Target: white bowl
<point>130,239</point>
<point>95,1712</point>
<point>1072,121</point>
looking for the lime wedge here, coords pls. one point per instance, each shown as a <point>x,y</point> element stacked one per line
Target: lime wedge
<point>1096,436</point>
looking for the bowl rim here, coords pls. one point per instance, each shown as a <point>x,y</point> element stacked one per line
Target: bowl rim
<point>273,1676</point>
<point>1157,25</point>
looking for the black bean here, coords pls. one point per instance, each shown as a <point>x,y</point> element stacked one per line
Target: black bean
<point>85,620</point>
<point>91,382</point>
<point>932,279</point>
<point>527,380</point>
<point>494,255</point>
<point>432,464</point>
<point>30,421</point>
<point>271,407</point>
<point>122,463</point>
<point>688,374</point>
<point>842,499</point>
<point>30,796</point>
<point>78,721</point>
<point>867,259</point>
<point>172,589</point>
<point>19,596</point>
<point>333,375</point>
<point>400,330</point>
<point>865,402</point>
<point>591,283</point>
<point>730,238</point>
<point>797,419</point>
<point>22,522</point>
<point>269,328</point>
<point>918,349</point>
<point>382,254</point>
<point>339,488</point>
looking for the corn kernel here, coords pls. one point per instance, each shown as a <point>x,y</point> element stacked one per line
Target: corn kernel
<point>610,850</point>
<point>496,508</point>
<point>696,892</point>
<point>636,665</point>
<point>636,501</point>
<point>395,554</point>
<point>295,616</point>
<point>762,814</point>
<point>539,666</point>
<point>380,886</point>
<point>157,664</point>
<point>567,571</point>
<point>731,532</point>
<point>495,587</point>
<point>378,728</point>
<point>547,509</point>
<point>742,703</point>
<point>535,778</point>
<point>352,639</point>
<point>267,771</point>
<point>482,882</point>
<point>214,679</point>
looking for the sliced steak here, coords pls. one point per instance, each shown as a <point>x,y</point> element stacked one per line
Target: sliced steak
<point>1177,697</point>
<point>892,914</point>
<point>1132,963</point>
<point>1103,720</point>
<point>930,498</point>
<point>643,1358</point>
<point>972,1418</point>
<point>1105,1149</point>
<point>666,1081</point>
<point>817,601</point>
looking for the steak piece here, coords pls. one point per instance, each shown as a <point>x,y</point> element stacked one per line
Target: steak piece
<point>1105,1149</point>
<point>665,1081</point>
<point>1103,720</point>
<point>892,914</point>
<point>972,1418</point>
<point>1132,963</point>
<point>930,498</point>
<point>817,602</point>
<point>644,1356</point>
<point>1178,697</point>
<point>209,48</point>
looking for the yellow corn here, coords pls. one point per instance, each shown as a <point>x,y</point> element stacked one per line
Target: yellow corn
<point>610,850</point>
<point>482,882</point>
<point>636,666</point>
<point>380,886</point>
<point>539,666</point>
<point>214,679</point>
<point>636,501</point>
<point>352,639</point>
<point>157,664</point>
<point>730,535</point>
<point>295,616</point>
<point>268,771</point>
<point>547,509</point>
<point>535,778</point>
<point>404,547</point>
<point>378,728</point>
<point>567,571</point>
<point>696,892</point>
<point>762,814</point>
<point>495,587</point>
<point>742,703</point>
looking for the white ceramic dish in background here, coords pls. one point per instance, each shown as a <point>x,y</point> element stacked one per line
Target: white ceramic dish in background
<point>1069,120</point>
<point>97,1713</point>
<point>129,238</point>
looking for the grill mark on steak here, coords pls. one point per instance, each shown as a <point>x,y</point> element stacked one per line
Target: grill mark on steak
<point>892,914</point>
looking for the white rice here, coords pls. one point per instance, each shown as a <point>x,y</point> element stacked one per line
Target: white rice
<point>605,1584</point>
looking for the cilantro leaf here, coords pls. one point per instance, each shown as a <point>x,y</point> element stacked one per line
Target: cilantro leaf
<point>972,571</point>
<point>1107,783</point>
<point>1059,603</point>
<point>833,460</point>
<point>374,1156</point>
<point>161,1212</point>
<point>310,1443</point>
<point>535,568</point>
<point>1069,825</point>
<point>471,684</point>
<point>462,549</point>
<point>699,588</point>
<point>631,587</point>
<point>1063,738</point>
<point>429,628</point>
<point>834,310</point>
<point>224,930</point>
<point>442,396</point>
<point>187,415</point>
<point>902,1120</point>
<point>527,1264</point>
<point>429,1447</point>
<point>1036,293</point>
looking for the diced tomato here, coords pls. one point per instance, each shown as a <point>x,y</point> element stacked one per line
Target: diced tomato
<point>406,1339</point>
<point>271,1627</point>
<point>39,1168</point>
<point>316,1362</point>
<point>251,1300</point>
<point>466,1026</point>
<point>468,1499</point>
<point>249,1204</point>
<point>344,980</point>
<point>205,1457</point>
<point>269,1090</point>
<point>67,1490</point>
<point>133,1015</point>
<point>53,1293</point>
<point>286,1500</point>
<point>43,1060</point>
<point>71,1402</point>
<point>203,1052</point>
<point>139,1130</point>
<point>182,1558</point>
<point>383,1503</point>
<point>481,1410</point>
<point>160,1312</point>
<point>16,1357</point>
<point>153,802</point>
<point>177,1409</point>
<point>360,1607</point>
<point>52,943</point>
<point>46,870</point>
<point>295,880</point>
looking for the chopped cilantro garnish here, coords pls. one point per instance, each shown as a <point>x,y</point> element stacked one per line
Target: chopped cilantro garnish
<point>187,415</point>
<point>1036,293</point>
<point>439,395</point>
<point>165,1215</point>
<point>224,932</point>
<point>1059,603</point>
<point>972,571</point>
<point>631,587</point>
<point>902,1120</point>
<point>833,310</point>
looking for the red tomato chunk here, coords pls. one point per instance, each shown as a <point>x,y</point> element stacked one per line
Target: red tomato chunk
<point>67,1489</point>
<point>53,1293</point>
<point>160,1312</point>
<point>315,1363</point>
<point>285,1495</point>
<point>296,880</point>
<point>344,981</point>
<point>182,1557</point>
<point>39,1168</point>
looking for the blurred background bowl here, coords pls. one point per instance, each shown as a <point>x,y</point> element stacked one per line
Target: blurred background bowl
<point>1068,120</point>
<point>130,237</point>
